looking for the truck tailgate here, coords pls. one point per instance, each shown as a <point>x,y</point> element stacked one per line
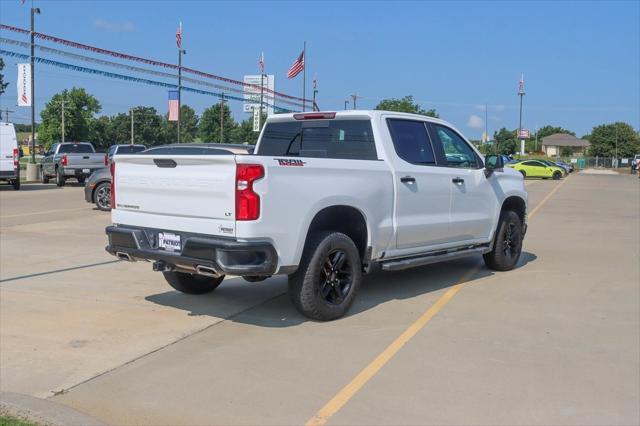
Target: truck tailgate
<point>87,161</point>
<point>188,193</point>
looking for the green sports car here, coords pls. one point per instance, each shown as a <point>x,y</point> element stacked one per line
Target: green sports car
<point>536,168</point>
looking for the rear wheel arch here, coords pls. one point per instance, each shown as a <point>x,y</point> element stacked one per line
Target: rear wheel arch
<point>347,220</point>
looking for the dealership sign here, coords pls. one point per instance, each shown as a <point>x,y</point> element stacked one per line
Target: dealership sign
<point>253,89</point>
<point>24,85</point>
<point>524,134</point>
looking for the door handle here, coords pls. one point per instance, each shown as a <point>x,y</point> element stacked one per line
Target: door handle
<point>457,180</point>
<point>408,179</point>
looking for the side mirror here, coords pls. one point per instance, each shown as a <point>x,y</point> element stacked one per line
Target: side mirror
<point>492,162</point>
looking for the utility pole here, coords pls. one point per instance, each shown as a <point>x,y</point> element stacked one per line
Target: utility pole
<point>6,114</point>
<point>180,53</point>
<point>222,117</point>
<point>346,104</point>
<point>261,93</point>
<point>131,114</point>
<point>354,97</point>
<point>62,113</point>
<point>521,94</point>
<point>34,11</point>
<point>486,119</point>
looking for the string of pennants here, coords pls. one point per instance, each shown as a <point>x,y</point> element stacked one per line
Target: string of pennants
<point>125,56</point>
<point>127,77</point>
<point>133,68</point>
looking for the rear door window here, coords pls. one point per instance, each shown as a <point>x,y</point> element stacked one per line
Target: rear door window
<point>411,141</point>
<point>339,139</point>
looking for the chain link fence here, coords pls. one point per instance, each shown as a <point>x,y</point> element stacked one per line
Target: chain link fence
<point>599,162</point>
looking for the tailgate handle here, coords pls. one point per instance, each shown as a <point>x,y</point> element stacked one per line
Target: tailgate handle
<point>164,163</point>
<point>86,157</point>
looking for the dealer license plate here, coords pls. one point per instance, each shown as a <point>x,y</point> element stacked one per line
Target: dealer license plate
<point>86,170</point>
<point>168,241</point>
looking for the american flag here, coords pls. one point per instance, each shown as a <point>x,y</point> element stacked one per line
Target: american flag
<point>261,63</point>
<point>179,36</point>
<point>297,66</point>
<point>174,105</point>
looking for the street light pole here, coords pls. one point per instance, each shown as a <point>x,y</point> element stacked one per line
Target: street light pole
<point>131,113</point>
<point>180,53</point>
<point>222,117</point>
<point>521,94</point>
<point>34,11</point>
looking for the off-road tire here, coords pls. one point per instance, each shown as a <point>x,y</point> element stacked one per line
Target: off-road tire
<point>504,256</point>
<point>311,278</point>
<point>102,196</point>
<point>557,175</point>
<point>60,178</point>
<point>192,284</point>
<point>16,182</point>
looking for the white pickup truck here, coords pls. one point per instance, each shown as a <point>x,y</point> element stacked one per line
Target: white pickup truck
<point>324,198</point>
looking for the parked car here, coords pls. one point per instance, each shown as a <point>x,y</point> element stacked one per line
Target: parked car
<point>122,149</point>
<point>537,168</point>
<point>70,160</point>
<point>325,198</point>
<point>9,156</point>
<point>550,163</point>
<point>98,187</point>
<point>635,164</point>
<point>568,167</point>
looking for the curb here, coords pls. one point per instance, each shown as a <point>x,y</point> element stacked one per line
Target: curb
<point>43,411</point>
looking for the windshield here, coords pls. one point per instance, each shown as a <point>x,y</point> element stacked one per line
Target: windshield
<point>76,148</point>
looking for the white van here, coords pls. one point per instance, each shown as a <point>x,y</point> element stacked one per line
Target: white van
<point>9,155</point>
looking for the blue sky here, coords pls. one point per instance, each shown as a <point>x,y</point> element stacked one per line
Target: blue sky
<point>581,60</point>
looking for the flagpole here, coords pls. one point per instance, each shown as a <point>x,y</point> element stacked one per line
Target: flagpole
<point>179,88</point>
<point>304,76</point>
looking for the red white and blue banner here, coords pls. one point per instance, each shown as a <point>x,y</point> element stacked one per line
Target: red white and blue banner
<point>24,84</point>
<point>174,105</point>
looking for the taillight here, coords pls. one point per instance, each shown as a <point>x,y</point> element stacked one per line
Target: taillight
<point>65,160</point>
<point>16,157</point>
<point>106,159</point>
<point>113,185</point>
<point>247,201</point>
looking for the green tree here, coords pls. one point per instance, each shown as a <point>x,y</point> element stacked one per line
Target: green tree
<point>606,137</point>
<point>3,85</point>
<point>148,127</point>
<point>405,104</point>
<point>79,110</point>
<point>101,131</point>
<point>244,133</point>
<point>506,141</point>
<point>209,129</point>
<point>188,126</point>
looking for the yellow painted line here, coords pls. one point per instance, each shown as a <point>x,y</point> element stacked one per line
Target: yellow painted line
<point>346,393</point>
<point>544,200</point>
<point>44,212</point>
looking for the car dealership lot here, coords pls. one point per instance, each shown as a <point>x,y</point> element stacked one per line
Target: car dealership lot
<point>554,342</point>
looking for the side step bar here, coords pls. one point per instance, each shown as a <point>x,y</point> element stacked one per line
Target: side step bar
<point>411,262</point>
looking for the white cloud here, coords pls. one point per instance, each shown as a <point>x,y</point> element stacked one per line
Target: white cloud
<point>475,122</point>
<point>499,108</point>
<point>118,27</point>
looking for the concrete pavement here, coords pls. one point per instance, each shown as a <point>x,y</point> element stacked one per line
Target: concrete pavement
<point>554,342</point>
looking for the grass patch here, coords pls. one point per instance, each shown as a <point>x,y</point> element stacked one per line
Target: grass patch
<point>14,421</point>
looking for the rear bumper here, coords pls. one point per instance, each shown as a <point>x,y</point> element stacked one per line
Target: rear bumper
<point>228,257</point>
<point>71,172</point>
<point>8,174</point>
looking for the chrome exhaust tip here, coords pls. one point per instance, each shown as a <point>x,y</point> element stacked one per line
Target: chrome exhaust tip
<point>124,256</point>
<point>207,271</point>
